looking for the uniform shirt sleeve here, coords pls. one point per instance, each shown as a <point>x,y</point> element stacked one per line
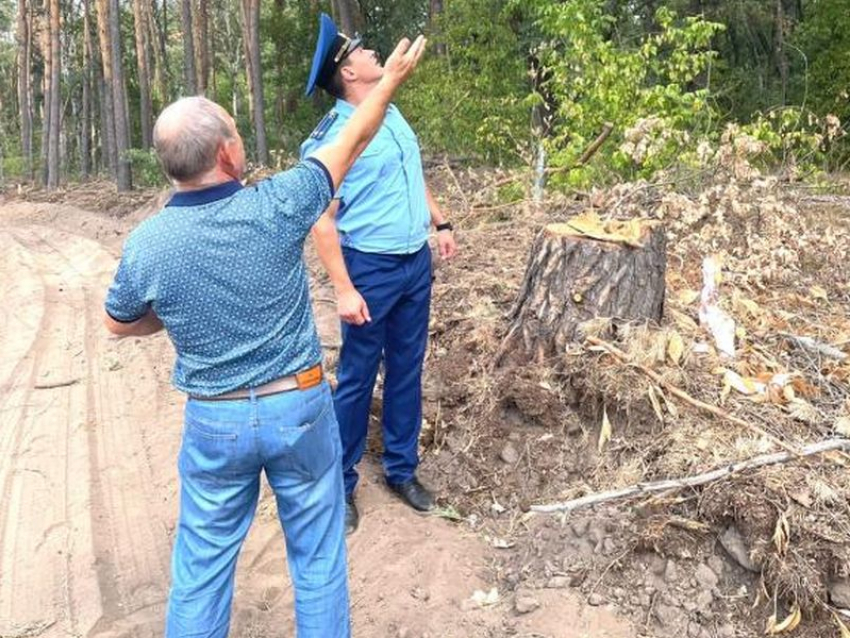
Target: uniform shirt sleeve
<point>325,136</point>
<point>304,192</point>
<point>123,301</point>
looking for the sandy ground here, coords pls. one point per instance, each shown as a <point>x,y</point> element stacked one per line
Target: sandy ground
<point>89,432</point>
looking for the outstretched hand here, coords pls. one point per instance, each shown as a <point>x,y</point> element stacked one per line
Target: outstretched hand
<point>403,60</point>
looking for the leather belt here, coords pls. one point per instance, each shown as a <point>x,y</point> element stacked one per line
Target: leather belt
<point>303,380</point>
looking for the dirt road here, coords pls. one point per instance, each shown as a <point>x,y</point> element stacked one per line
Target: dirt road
<point>89,432</point>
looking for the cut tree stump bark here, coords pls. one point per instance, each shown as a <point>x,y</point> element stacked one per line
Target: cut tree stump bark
<point>576,273</point>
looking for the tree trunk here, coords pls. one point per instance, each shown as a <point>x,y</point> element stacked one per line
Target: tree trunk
<point>234,60</point>
<point>107,97</point>
<point>55,102</point>
<point>435,10</point>
<point>212,27</point>
<point>24,37</point>
<point>251,26</point>
<point>143,68</point>
<point>119,92</point>
<point>47,60</point>
<point>202,62</point>
<point>571,279</point>
<point>349,17</point>
<point>190,77</point>
<point>160,58</point>
<point>86,125</point>
<point>781,57</point>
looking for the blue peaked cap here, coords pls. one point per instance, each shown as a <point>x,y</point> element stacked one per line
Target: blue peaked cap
<point>332,47</point>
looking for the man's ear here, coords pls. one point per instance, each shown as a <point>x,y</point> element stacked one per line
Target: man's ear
<point>226,157</point>
<point>347,73</point>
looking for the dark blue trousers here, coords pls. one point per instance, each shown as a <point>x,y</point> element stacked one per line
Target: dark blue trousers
<point>397,289</point>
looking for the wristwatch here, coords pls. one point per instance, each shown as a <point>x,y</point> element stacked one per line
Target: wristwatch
<point>444,226</point>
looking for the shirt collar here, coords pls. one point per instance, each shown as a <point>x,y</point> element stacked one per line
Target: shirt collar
<point>205,195</point>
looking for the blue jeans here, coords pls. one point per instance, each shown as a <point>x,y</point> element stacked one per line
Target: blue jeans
<point>397,289</point>
<point>293,437</point>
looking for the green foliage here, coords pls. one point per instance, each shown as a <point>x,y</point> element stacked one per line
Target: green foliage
<point>593,77</point>
<point>471,101</point>
<point>824,39</point>
<point>146,167</point>
<point>796,140</point>
<point>13,168</point>
<point>512,192</point>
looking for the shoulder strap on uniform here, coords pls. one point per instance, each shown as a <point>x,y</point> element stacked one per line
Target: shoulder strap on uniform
<point>325,125</point>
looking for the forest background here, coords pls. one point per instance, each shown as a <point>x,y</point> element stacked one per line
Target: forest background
<point>669,84</point>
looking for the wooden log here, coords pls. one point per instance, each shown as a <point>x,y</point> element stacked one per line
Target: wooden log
<point>573,277</point>
<point>642,489</point>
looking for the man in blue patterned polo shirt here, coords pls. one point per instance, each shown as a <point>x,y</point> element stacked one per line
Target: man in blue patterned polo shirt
<point>373,241</point>
<point>221,269</point>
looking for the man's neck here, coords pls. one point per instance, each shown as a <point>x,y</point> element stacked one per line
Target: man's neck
<point>209,179</point>
<point>356,93</point>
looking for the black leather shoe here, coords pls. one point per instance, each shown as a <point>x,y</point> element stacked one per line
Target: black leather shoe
<point>414,494</point>
<point>352,516</point>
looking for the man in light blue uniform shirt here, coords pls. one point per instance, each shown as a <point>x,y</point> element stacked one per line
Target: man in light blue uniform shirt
<point>221,269</point>
<point>373,241</point>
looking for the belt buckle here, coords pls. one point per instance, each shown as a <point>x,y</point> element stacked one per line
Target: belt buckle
<point>309,378</point>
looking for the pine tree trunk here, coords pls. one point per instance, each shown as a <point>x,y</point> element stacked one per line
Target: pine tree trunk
<point>202,62</point>
<point>348,16</point>
<point>86,125</point>
<point>235,61</point>
<point>280,84</point>
<point>781,57</point>
<point>157,38</point>
<point>435,10</point>
<point>143,67</point>
<point>190,77</point>
<point>24,38</point>
<point>55,102</point>
<point>124,178</point>
<point>107,98</point>
<point>211,32</point>
<point>47,60</point>
<point>571,279</point>
<point>251,25</point>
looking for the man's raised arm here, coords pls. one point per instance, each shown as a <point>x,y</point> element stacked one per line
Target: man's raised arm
<point>339,156</point>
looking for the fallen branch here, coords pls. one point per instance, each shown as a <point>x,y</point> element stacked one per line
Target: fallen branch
<point>466,205</point>
<point>812,345</point>
<point>640,489</point>
<point>675,391</point>
<point>55,384</point>
<point>589,152</point>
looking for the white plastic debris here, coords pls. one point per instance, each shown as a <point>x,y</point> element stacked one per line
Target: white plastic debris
<point>485,599</point>
<point>711,316</point>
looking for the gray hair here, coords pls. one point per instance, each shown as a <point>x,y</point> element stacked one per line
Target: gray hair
<point>187,136</point>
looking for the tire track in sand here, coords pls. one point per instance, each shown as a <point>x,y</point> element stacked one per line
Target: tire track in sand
<point>80,545</point>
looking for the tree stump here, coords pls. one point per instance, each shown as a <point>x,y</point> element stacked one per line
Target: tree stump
<point>574,276</point>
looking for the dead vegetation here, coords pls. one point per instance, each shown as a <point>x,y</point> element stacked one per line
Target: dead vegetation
<point>504,438</point>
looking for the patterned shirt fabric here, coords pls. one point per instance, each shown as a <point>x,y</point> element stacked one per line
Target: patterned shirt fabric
<point>382,208</point>
<point>223,269</point>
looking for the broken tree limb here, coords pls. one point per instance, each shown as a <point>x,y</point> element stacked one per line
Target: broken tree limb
<point>817,347</point>
<point>640,489</point>
<point>706,407</point>
<point>599,141</point>
<point>54,384</point>
<point>589,152</point>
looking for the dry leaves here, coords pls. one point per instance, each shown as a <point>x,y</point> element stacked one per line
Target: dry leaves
<point>787,625</point>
